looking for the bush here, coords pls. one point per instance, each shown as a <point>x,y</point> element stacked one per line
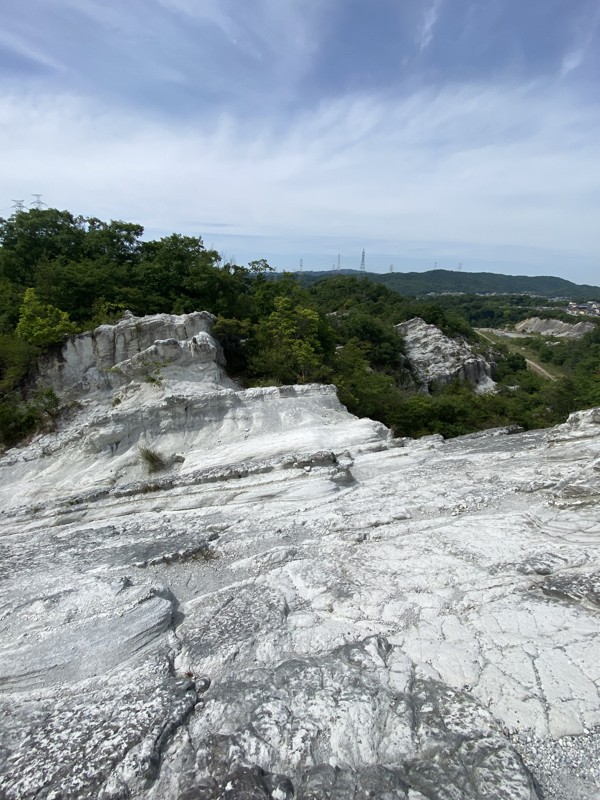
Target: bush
<point>41,324</point>
<point>154,461</point>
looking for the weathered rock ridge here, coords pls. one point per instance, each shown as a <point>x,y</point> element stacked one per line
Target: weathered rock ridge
<point>554,327</point>
<point>437,360</point>
<point>294,605</point>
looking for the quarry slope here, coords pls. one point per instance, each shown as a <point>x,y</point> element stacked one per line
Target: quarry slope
<point>294,605</point>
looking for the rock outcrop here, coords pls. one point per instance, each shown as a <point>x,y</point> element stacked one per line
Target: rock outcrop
<point>554,327</point>
<point>136,347</point>
<point>292,604</point>
<point>437,360</point>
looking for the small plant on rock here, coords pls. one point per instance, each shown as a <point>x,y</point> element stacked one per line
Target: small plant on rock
<point>154,461</point>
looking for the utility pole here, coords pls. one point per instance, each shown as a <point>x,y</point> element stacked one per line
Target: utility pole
<point>362,261</point>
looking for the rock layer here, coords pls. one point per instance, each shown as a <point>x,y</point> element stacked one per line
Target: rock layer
<point>554,327</point>
<point>437,360</point>
<point>295,605</point>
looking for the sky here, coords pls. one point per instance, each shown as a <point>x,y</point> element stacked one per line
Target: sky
<point>450,133</point>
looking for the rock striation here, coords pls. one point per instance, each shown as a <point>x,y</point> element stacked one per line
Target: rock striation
<point>554,327</point>
<point>292,604</point>
<point>437,360</point>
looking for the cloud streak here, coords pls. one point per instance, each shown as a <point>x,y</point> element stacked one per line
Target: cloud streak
<point>312,120</point>
<point>478,165</point>
<point>429,23</point>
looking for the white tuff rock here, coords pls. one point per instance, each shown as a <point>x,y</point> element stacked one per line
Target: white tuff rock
<point>437,360</point>
<point>293,606</point>
<point>554,327</point>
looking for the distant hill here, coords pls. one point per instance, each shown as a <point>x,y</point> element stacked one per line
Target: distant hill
<point>416,284</point>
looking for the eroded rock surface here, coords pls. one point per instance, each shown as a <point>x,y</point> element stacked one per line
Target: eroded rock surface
<point>554,327</point>
<point>437,360</point>
<point>294,606</point>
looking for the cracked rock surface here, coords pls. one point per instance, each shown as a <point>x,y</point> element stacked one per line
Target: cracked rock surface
<point>296,605</point>
<point>437,360</point>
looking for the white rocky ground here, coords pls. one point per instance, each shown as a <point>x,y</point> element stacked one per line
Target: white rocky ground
<point>554,327</point>
<point>437,360</point>
<point>296,606</point>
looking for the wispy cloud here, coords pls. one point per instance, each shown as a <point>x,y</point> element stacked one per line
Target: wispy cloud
<point>26,48</point>
<point>429,22</point>
<point>477,165</point>
<point>585,26</point>
<point>274,118</point>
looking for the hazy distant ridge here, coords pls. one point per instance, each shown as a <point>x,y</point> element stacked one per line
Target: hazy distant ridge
<point>442,280</point>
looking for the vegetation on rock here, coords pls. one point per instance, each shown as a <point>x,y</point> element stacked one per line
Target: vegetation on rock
<point>154,461</point>
<point>60,273</point>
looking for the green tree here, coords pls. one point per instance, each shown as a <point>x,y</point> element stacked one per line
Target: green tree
<point>259,266</point>
<point>288,346</point>
<point>41,324</point>
<point>362,390</point>
<point>29,236</point>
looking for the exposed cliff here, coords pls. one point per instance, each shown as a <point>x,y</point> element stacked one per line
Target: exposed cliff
<point>438,360</point>
<point>554,327</point>
<point>293,605</point>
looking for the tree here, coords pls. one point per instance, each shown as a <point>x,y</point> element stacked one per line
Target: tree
<point>260,266</point>
<point>288,344</point>
<point>41,324</point>
<point>362,390</point>
<point>29,236</point>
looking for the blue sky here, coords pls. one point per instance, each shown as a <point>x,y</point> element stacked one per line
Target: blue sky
<point>425,131</point>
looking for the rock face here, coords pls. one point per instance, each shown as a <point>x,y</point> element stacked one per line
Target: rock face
<point>293,605</point>
<point>438,360</point>
<point>135,347</point>
<point>554,327</point>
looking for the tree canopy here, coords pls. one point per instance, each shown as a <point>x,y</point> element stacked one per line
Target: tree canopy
<point>61,273</point>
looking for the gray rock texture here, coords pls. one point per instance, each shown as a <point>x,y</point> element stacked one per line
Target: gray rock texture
<point>437,360</point>
<point>554,327</point>
<point>294,605</point>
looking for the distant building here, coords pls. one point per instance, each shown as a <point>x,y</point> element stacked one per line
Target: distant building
<point>591,308</point>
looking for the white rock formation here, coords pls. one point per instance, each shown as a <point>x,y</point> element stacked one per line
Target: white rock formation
<point>295,606</point>
<point>437,360</point>
<point>554,327</point>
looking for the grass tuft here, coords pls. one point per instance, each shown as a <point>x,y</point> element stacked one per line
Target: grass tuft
<point>154,461</point>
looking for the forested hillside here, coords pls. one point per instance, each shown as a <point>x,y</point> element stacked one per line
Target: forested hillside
<point>60,274</point>
<point>438,281</point>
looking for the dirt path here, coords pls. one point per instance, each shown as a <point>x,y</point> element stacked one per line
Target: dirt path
<point>540,370</point>
<point>533,365</point>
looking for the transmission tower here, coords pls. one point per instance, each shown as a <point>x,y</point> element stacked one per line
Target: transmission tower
<point>338,263</point>
<point>391,267</point>
<point>37,203</point>
<point>301,265</point>
<point>460,267</point>
<point>362,261</point>
<point>18,205</point>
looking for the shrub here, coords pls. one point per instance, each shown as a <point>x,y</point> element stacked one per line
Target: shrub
<point>154,461</point>
<point>41,324</point>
